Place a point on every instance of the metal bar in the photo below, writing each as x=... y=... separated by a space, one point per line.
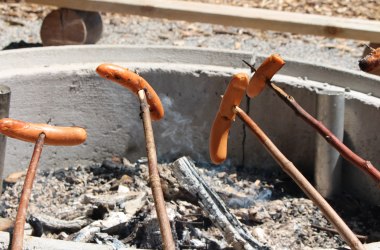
x=327 y=169
x=5 y=97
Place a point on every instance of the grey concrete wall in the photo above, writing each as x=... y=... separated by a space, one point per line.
x=60 y=84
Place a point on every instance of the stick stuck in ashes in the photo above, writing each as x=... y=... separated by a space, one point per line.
x=151 y=109
x=40 y=134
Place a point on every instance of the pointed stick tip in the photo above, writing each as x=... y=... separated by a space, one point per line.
x=252 y=67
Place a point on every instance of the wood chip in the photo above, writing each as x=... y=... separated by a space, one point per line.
x=14 y=177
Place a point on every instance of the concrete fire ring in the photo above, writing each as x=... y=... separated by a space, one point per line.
x=60 y=84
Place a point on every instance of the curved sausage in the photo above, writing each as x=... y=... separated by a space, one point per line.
x=58 y=136
x=223 y=120
x=371 y=61
x=234 y=94
x=133 y=82
x=219 y=138
x=264 y=73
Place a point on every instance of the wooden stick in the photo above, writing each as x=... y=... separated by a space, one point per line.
x=233 y=231
x=352 y=28
x=154 y=178
x=18 y=231
x=362 y=238
x=345 y=152
x=302 y=182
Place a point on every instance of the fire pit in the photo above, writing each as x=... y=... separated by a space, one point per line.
x=60 y=85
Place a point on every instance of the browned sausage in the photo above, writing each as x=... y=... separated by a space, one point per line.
x=263 y=74
x=133 y=82
x=223 y=120
x=219 y=138
x=370 y=62
x=59 y=136
x=233 y=95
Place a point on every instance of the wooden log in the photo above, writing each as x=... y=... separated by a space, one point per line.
x=110 y=199
x=51 y=223
x=71 y=27
x=234 y=232
x=233 y=16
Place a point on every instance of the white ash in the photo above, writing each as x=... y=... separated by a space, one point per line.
x=277 y=214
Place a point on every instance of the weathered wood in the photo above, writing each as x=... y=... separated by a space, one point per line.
x=111 y=224
x=53 y=224
x=234 y=16
x=111 y=199
x=67 y=26
x=6 y=224
x=234 y=232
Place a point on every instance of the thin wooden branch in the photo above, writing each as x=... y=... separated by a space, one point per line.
x=345 y=152
x=154 y=178
x=362 y=238
x=18 y=231
x=302 y=182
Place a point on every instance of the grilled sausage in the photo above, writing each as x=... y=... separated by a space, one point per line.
x=370 y=62
x=219 y=138
x=233 y=95
x=263 y=74
x=55 y=135
x=133 y=82
x=223 y=120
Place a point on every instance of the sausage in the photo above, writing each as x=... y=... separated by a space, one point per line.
x=233 y=95
x=223 y=120
x=133 y=82
x=219 y=138
x=263 y=74
x=371 y=61
x=58 y=136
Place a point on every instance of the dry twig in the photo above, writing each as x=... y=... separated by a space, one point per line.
x=154 y=177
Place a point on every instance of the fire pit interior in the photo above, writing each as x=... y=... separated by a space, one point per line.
x=105 y=180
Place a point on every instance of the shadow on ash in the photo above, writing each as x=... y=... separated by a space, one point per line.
x=99 y=192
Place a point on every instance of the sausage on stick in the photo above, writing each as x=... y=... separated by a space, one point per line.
x=55 y=135
x=151 y=108
x=224 y=117
x=371 y=61
x=266 y=71
x=133 y=82
x=40 y=134
x=264 y=74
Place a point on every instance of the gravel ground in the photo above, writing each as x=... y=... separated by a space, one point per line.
x=21 y=22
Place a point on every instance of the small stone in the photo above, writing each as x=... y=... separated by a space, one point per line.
x=259 y=233
x=6 y=224
x=221 y=174
x=123 y=189
x=62 y=236
x=14 y=177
